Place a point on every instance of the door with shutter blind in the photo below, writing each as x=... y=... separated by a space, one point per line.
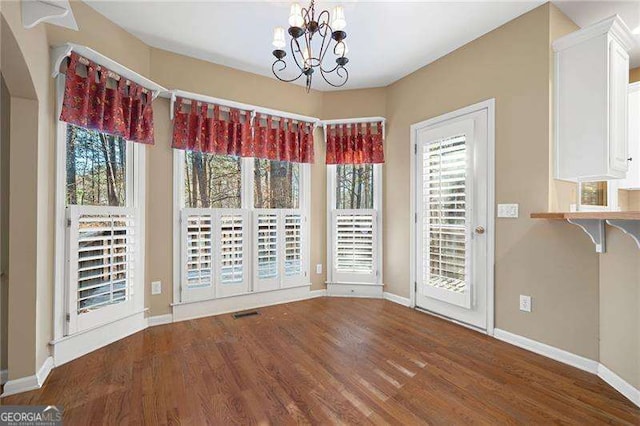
x=451 y=218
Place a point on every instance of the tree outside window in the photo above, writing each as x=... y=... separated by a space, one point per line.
x=354 y=186
x=276 y=184
x=96 y=168
x=212 y=181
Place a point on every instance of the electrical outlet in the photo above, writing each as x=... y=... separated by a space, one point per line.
x=525 y=303
x=156 y=287
x=508 y=210
x=319 y=268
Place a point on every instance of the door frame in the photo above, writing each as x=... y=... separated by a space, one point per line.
x=489 y=106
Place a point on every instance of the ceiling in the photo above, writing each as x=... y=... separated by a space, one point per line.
x=387 y=40
x=585 y=13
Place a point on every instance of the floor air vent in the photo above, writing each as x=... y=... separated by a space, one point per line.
x=244 y=314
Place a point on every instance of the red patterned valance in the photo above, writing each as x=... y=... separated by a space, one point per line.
x=199 y=126
x=356 y=143
x=204 y=127
x=99 y=99
x=281 y=139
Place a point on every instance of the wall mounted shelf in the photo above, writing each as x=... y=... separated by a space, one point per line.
x=592 y=223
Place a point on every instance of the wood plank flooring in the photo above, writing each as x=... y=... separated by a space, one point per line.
x=324 y=361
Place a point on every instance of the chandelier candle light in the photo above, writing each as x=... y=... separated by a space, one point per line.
x=304 y=25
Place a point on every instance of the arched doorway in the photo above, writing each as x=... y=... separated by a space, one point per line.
x=18 y=141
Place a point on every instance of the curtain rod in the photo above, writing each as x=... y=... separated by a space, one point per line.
x=354 y=121
x=58 y=54
x=172 y=94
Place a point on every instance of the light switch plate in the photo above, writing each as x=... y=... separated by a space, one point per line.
x=156 y=287
x=319 y=268
x=508 y=210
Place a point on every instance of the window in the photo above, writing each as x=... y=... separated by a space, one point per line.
x=354 y=186
x=212 y=181
x=601 y=195
x=444 y=205
x=276 y=184
x=354 y=208
x=244 y=230
x=96 y=168
x=103 y=227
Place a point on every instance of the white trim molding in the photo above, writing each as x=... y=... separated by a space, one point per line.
x=543 y=349
x=225 y=305
x=74 y=346
x=159 y=320
x=565 y=357
x=404 y=301
x=25 y=384
x=317 y=293
x=59 y=53
x=619 y=384
x=366 y=290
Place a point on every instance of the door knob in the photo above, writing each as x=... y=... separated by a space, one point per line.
x=479 y=230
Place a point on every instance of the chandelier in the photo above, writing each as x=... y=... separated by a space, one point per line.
x=309 y=56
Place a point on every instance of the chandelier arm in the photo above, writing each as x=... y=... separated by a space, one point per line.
x=284 y=66
x=337 y=69
x=325 y=23
x=293 y=52
x=323 y=48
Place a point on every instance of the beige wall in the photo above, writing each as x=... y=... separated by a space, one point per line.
x=620 y=306
x=354 y=103
x=552 y=262
x=634 y=75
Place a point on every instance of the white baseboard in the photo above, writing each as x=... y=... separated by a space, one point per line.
x=4 y=375
x=354 y=290
x=317 y=293
x=159 y=320
x=552 y=352
x=207 y=308
x=29 y=383
x=71 y=347
x=619 y=384
x=404 y=301
x=585 y=364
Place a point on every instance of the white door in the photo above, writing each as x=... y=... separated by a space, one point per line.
x=452 y=239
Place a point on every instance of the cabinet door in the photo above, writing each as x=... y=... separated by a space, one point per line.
x=633 y=175
x=618 y=104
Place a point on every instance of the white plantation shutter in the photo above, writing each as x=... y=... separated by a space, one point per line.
x=233 y=253
x=354 y=246
x=295 y=269
x=197 y=254
x=102 y=243
x=445 y=218
x=266 y=236
x=293 y=244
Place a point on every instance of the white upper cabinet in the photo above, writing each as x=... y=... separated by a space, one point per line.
x=633 y=175
x=591 y=83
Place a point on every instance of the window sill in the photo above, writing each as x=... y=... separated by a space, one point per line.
x=70 y=347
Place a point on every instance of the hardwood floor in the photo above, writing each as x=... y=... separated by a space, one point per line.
x=321 y=361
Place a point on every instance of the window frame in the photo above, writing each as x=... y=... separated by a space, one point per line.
x=612 y=199
x=247 y=204
x=377 y=207
x=135 y=199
